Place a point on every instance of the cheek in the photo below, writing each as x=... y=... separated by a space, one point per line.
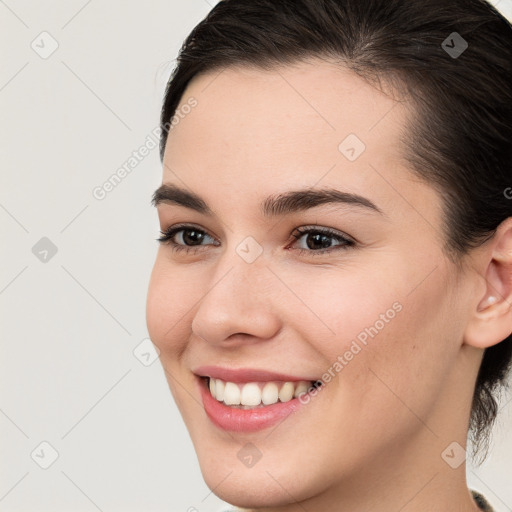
x=389 y=343
x=169 y=298
x=397 y=306
x=343 y=306
x=169 y=301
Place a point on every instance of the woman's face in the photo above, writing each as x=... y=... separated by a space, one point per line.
x=376 y=317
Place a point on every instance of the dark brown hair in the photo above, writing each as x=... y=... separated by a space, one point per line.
x=461 y=139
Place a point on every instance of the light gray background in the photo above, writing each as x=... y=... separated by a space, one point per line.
x=70 y=324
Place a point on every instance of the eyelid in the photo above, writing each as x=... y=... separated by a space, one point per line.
x=324 y=230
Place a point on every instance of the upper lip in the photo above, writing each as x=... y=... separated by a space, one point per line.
x=247 y=375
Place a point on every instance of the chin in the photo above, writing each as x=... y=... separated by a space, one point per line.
x=272 y=482
x=251 y=490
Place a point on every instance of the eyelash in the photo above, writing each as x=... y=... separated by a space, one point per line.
x=345 y=242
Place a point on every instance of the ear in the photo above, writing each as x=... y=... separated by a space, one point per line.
x=491 y=317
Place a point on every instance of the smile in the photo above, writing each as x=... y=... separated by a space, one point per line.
x=250 y=400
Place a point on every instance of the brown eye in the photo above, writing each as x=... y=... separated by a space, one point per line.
x=183 y=237
x=319 y=240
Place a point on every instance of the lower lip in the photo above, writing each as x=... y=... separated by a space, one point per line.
x=244 y=420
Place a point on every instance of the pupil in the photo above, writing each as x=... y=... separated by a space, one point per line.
x=194 y=237
x=323 y=239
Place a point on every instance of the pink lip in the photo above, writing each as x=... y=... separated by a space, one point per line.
x=244 y=420
x=247 y=375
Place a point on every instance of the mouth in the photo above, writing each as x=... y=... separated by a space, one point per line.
x=251 y=400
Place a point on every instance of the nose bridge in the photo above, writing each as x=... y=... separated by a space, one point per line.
x=240 y=269
x=237 y=299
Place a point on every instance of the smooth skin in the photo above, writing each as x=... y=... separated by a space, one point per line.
x=373 y=438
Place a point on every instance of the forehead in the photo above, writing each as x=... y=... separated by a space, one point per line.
x=255 y=117
x=254 y=132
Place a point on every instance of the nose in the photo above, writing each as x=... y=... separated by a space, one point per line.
x=239 y=305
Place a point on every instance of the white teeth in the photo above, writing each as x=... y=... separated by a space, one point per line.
x=254 y=394
x=251 y=394
x=231 y=394
x=219 y=389
x=270 y=394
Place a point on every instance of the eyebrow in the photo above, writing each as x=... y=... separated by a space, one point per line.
x=272 y=206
